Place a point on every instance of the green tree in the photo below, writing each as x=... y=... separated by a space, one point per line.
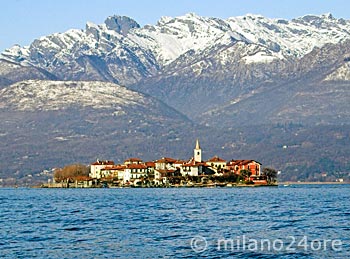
x=270 y=173
x=245 y=174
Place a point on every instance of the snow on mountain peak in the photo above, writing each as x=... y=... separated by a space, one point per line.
x=328 y=16
x=122 y=43
x=313 y=17
x=173 y=37
x=164 y=20
x=34 y=95
x=15 y=53
x=293 y=38
x=121 y=24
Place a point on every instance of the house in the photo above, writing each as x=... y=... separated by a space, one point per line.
x=236 y=166
x=83 y=182
x=162 y=176
x=217 y=164
x=254 y=167
x=150 y=165
x=179 y=163
x=133 y=172
x=192 y=168
x=150 y=169
x=96 y=167
x=133 y=160
x=165 y=163
x=115 y=172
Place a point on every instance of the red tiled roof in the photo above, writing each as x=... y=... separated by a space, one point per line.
x=241 y=162
x=166 y=160
x=150 y=164
x=193 y=163
x=180 y=162
x=117 y=167
x=216 y=159
x=83 y=178
x=136 y=166
x=105 y=162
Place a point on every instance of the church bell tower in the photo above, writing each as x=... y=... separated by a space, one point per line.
x=197 y=152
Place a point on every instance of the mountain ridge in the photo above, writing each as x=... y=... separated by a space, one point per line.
x=150 y=44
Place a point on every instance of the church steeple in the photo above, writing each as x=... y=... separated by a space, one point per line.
x=197 y=144
x=197 y=152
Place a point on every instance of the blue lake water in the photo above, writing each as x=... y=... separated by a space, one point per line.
x=305 y=221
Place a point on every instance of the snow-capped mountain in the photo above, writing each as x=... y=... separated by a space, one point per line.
x=119 y=50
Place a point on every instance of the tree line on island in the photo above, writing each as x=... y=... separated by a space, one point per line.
x=71 y=173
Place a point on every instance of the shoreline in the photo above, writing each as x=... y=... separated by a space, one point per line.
x=312 y=183
x=229 y=185
x=279 y=184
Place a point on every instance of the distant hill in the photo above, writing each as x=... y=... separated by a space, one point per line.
x=48 y=124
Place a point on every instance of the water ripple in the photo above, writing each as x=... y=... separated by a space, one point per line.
x=160 y=223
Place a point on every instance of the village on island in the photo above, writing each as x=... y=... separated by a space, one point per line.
x=169 y=172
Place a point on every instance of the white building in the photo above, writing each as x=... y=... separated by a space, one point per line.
x=165 y=163
x=133 y=172
x=194 y=167
x=191 y=168
x=133 y=160
x=95 y=168
x=217 y=164
x=197 y=153
x=116 y=172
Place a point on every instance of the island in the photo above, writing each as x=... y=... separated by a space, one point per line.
x=165 y=172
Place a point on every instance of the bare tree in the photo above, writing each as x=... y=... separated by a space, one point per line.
x=71 y=172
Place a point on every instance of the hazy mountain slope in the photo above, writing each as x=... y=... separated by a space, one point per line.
x=51 y=123
x=196 y=83
x=11 y=72
x=314 y=90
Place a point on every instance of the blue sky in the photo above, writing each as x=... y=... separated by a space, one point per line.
x=21 y=21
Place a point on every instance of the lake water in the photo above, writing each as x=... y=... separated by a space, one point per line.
x=304 y=221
